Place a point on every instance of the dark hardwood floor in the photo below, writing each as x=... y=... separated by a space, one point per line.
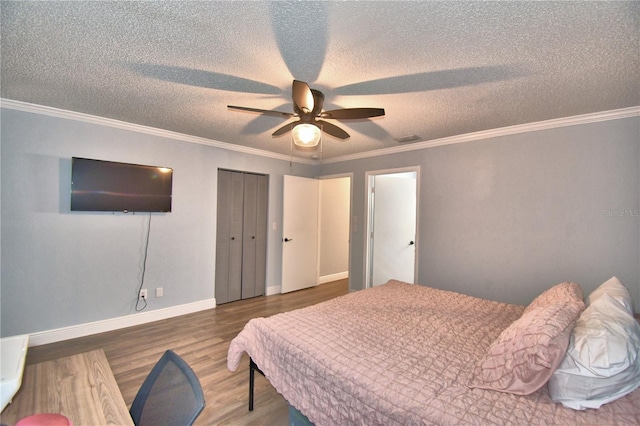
x=202 y=339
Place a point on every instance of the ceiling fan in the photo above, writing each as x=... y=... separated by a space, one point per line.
x=307 y=106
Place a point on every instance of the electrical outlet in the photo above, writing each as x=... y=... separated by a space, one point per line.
x=143 y=294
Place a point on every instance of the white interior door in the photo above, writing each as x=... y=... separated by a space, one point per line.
x=299 y=233
x=392 y=223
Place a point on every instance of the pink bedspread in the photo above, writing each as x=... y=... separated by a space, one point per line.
x=400 y=354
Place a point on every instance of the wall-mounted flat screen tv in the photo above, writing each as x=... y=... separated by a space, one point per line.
x=98 y=185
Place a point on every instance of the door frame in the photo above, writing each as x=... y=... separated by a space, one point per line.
x=339 y=176
x=369 y=178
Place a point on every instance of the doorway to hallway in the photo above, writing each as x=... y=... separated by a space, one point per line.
x=391 y=225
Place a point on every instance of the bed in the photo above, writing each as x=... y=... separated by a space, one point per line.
x=404 y=354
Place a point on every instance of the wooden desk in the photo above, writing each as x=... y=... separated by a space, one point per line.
x=81 y=387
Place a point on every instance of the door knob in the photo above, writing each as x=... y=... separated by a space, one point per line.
x=286 y=240
x=411 y=243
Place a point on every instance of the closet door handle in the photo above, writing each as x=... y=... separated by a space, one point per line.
x=233 y=238
x=411 y=243
x=286 y=240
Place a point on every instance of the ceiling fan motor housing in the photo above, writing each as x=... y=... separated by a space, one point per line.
x=307 y=106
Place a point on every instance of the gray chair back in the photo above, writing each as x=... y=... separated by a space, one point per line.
x=170 y=395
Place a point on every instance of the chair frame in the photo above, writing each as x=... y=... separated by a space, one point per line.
x=141 y=397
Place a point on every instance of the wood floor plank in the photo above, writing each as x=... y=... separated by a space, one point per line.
x=202 y=339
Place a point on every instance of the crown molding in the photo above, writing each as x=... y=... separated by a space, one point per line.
x=493 y=133
x=468 y=137
x=108 y=122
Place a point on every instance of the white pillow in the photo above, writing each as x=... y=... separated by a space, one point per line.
x=602 y=362
x=614 y=288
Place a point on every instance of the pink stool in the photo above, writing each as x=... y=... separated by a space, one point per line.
x=45 y=419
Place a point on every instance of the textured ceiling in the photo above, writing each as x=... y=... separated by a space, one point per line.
x=439 y=69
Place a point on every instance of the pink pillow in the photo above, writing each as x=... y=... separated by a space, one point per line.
x=525 y=355
x=556 y=293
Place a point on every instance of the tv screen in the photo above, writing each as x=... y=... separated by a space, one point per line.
x=98 y=185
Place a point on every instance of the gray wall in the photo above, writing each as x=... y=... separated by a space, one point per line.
x=62 y=268
x=335 y=197
x=505 y=218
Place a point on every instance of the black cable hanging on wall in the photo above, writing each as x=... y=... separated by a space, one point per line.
x=144 y=268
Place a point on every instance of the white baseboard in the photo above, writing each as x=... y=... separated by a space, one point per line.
x=81 y=330
x=277 y=289
x=333 y=277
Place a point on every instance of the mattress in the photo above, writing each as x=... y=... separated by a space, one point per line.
x=400 y=354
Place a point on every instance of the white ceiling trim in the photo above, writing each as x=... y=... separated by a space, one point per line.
x=469 y=137
x=108 y=122
x=504 y=131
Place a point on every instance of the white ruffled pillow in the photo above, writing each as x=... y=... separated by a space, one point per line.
x=602 y=362
x=614 y=288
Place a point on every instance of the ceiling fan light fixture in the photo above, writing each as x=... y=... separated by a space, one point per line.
x=306 y=135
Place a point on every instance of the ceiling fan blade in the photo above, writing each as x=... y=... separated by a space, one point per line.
x=284 y=129
x=352 y=113
x=332 y=129
x=263 y=111
x=302 y=96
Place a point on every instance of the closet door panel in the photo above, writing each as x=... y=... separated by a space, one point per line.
x=262 y=203
x=241 y=241
x=249 y=241
x=223 y=238
x=236 y=236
